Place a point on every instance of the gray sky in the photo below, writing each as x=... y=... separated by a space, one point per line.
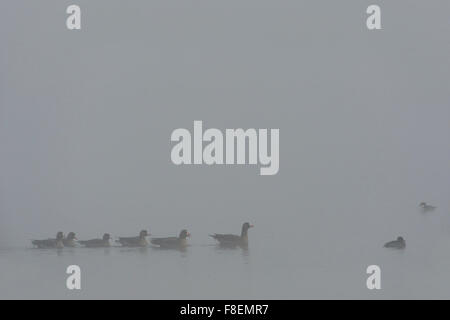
x=86 y=118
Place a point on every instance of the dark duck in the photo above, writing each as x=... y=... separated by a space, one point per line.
x=179 y=242
x=232 y=240
x=396 y=244
x=426 y=207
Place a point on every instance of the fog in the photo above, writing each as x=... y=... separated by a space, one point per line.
x=364 y=119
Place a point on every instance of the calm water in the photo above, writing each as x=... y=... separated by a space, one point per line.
x=206 y=272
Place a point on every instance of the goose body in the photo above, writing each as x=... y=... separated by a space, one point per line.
x=396 y=244
x=139 y=241
x=97 y=243
x=232 y=240
x=56 y=243
x=179 y=242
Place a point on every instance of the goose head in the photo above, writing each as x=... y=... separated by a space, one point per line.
x=71 y=236
x=245 y=227
x=143 y=234
x=184 y=234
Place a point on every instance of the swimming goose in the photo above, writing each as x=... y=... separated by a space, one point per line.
x=97 y=243
x=231 y=240
x=70 y=240
x=396 y=244
x=426 y=207
x=179 y=242
x=139 y=241
x=50 y=243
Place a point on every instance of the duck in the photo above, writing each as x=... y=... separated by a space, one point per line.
x=179 y=242
x=71 y=240
x=97 y=243
x=426 y=207
x=139 y=241
x=231 y=240
x=396 y=244
x=50 y=243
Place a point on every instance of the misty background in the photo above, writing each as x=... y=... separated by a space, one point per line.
x=364 y=118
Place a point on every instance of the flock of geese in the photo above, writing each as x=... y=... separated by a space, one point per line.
x=140 y=241
x=400 y=243
x=180 y=242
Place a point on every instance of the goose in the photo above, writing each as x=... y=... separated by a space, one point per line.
x=139 y=241
x=50 y=243
x=97 y=243
x=70 y=240
x=231 y=240
x=179 y=242
x=426 y=207
x=396 y=244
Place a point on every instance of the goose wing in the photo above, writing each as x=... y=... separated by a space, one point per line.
x=170 y=241
x=130 y=242
x=92 y=242
x=47 y=243
x=128 y=239
x=226 y=238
